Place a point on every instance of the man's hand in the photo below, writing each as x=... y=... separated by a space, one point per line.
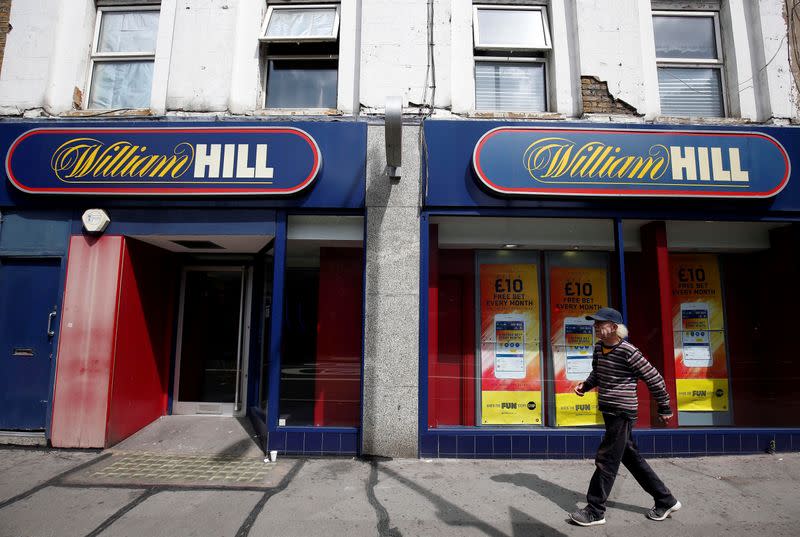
x=664 y=418
x=579 y=389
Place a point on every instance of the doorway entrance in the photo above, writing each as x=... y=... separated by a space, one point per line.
x=213 y=341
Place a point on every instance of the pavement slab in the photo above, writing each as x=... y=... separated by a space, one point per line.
x=23 y=469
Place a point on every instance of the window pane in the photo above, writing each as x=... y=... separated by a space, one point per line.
x=510 y=86
x=128 y=31
x=685 y=37
x=302 y=23
x=302 y=84
x=121 y=85
x=511 y=28
x=690 y=92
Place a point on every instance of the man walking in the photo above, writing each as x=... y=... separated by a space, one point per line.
x=616 y=367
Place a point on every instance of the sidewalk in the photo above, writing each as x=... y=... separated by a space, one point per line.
x=66 y=493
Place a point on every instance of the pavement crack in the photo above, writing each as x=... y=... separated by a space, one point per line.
x=53 y=480
x=247 y=525
x=383 y=515
x=121 y=512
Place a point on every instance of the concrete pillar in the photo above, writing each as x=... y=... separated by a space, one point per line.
x=244 y=81
x=391 y=335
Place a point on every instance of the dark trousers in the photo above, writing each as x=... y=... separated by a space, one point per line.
x=618 y=446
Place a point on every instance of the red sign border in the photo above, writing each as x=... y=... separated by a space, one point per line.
x=139 y=191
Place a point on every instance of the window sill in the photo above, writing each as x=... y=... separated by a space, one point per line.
x=297 y=112
x=114 y=112
x=549 y=116
x=673 y=120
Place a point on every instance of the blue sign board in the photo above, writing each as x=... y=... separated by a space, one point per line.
x=164 y=160
x=574 y=161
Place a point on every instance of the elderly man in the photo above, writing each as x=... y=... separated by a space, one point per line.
x=616 y=367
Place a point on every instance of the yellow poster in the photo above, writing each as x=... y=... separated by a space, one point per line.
x=510 y=357
x=698 y=327
x=575 y=292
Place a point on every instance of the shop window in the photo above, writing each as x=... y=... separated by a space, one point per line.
x=320 y=382
x=510 y=340
x=511 y=44
x=732 y=342
x=301 y=61
x=123 y=54
x=690 y=63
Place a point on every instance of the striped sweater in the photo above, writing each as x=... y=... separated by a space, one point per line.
x=615 y=374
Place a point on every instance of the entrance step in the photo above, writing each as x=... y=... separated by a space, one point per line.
x=209 y=436
x=22 y=438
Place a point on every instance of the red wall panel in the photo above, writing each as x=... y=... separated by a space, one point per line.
x=86 y=343
x=144 y=339
x=337 y=387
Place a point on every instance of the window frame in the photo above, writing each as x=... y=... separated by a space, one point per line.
x=262 y=36
x=697 y=63
x=100 y=57
x=509 y=59
x=477 y=45
x=299 y=57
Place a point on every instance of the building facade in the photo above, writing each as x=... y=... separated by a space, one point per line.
x=212 y=207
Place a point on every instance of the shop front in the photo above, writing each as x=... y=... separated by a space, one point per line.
x=154 y=268
x=692 y=233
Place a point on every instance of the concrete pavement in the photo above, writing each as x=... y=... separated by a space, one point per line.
x=53 y=493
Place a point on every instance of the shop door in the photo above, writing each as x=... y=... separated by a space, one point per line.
x=211 y=355
x=28 y=295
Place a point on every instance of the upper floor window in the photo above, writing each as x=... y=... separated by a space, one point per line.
x=690 y=63
x=301 y=60
x=123 y=53
x=510 y=58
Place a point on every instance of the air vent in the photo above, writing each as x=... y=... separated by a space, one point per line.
x=199 y=245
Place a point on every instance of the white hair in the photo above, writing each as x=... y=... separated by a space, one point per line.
x=622 y=331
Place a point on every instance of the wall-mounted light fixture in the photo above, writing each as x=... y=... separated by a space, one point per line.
x=394 y=136
x=95 y=220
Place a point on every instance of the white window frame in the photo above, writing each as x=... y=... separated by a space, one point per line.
x=299 y=58
x=697 y=63
x=507 y=59
x=476 y=31
x=99 y=57
x=297 y=39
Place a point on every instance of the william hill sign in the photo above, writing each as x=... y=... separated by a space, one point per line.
x=625 y=162
x=164 y=160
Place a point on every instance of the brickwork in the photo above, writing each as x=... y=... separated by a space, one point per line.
x=598 y=100
x=5 y=15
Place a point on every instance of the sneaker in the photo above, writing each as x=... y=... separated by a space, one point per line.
x=586 y=517
x=660 y=513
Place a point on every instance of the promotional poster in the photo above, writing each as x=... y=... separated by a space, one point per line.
x=698 y=325
x=574 y=293
x=511 y=389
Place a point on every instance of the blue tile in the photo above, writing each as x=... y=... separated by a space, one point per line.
x=749 y=443
x=732 y=443
x=663 y=444
x=483 y=445
x=796 y=442
x=277 y=441
x=428 y=446
x=575 y=445
x=556 y=445
x=590 y=445
x=764 y=440
x=697 y=443
x=502 y=445
x=349 y=443
x=294 y=442
x=680 y=443
x=520 y=445
x=466 y=445
x=539 y=444
x=646 y=443
x=447 y=446
x=313 y=443
x=783 y=442
x=714 y=443
x=330 y=442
